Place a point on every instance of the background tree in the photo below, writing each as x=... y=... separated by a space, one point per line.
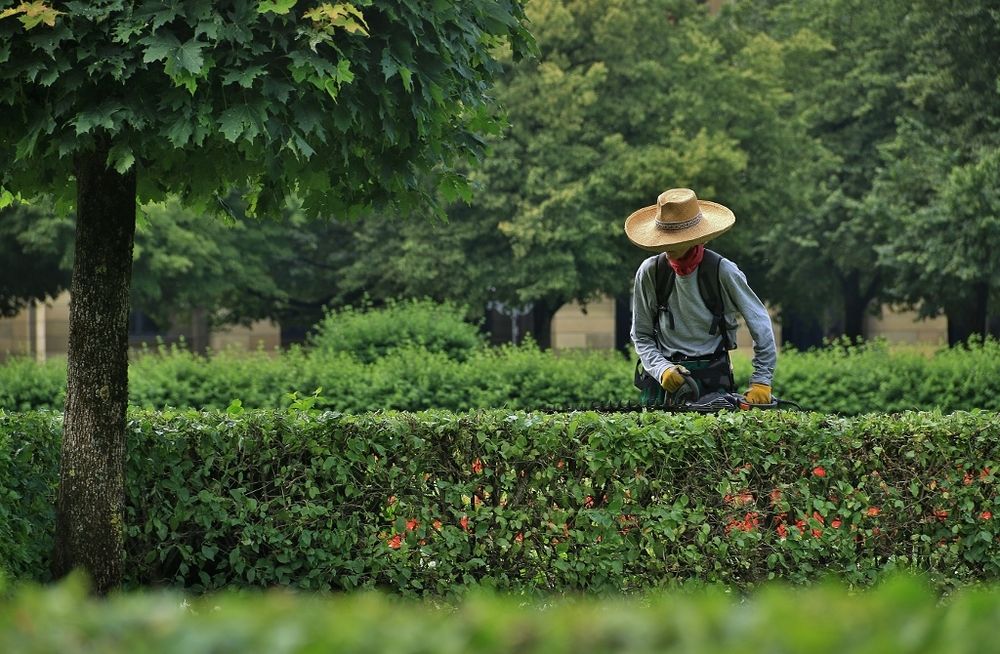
x=32 y=250
x=627 y=99
x=351 y=105
x=848 y=93
x=940 y=176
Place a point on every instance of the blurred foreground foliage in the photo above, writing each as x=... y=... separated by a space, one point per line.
x=902 y=615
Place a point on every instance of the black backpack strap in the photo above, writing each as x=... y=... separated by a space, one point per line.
x=710 y=287
x=664 y=282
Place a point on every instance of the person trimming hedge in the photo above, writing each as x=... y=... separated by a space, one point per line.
x=686 y=301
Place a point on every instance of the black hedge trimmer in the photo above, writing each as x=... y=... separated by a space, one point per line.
x=684 y=400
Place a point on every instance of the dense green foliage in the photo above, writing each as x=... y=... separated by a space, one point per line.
x=844 y=380
x=437 y=502
x=256 y=92
x=869 y=126
x=900 y=616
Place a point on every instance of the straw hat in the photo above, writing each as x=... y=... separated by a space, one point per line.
x=678 y=218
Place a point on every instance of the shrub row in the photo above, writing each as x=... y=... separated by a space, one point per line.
x=434 y=502
x=410 y=378
x=900 y=616
x=841 y=380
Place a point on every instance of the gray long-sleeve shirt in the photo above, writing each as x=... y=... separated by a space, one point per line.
x=692 y=320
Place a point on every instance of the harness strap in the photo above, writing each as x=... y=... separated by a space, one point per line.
x=709 y=287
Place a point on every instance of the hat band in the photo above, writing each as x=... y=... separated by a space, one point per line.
x=673 y=225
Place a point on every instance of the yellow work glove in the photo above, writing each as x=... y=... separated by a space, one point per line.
x=673 y=378
x=758 y=394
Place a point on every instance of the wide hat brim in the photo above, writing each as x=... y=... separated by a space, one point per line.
x=641 y=228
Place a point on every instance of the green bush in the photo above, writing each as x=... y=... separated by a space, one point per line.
x=902 y=615
x=26 y=384
x=435 y=502
x=369 y=334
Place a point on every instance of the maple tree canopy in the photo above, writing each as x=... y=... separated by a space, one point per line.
x=346 y=104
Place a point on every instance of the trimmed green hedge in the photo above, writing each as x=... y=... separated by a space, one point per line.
x=435 y=502
x=900 y=616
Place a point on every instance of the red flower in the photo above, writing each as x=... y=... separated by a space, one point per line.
x=749 y=522
x=801 y=524
x=775 y=496
x=391 y=500
x=560 y=463
x=396 y=541
x=817 y=533
x=967 y=480
x=588 y=502
x=874 y=511
x=835 y=523
x=411 y=525
x=984 y=473
x=782 y=531
x=519 y=538
x=941 y=514
x=818 y=518
x=819 y=471
x=985 y=515
x=437 y=525
x=464 y=522
x=477 y=466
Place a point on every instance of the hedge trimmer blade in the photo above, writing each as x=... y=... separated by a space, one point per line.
x=710 y=403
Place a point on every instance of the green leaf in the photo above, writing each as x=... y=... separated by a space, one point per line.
x=159 y=46
x=188 y=57
x=275 y=6
x=244 y=76
x=235 y=408
x=101 y=116
x=120 y=156
x=238 y=121
x=406 y=76
x=179 y=133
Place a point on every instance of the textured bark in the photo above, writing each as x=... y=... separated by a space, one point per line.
x=89 y=513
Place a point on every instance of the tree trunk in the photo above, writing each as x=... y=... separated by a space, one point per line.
x=89 y=512
x=623 y=325
x=968 y=318
x=855 y=306
x=802 y=331
x=541 y=324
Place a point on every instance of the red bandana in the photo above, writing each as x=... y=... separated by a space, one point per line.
x=687 y=263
